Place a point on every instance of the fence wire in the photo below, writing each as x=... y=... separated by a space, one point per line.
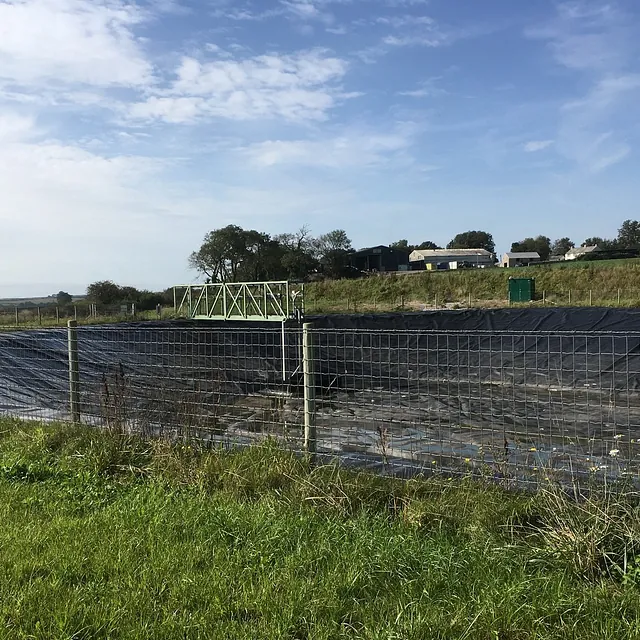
x=521 y=407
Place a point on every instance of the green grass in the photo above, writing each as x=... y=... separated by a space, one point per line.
x=111 y=537
x=611 y=283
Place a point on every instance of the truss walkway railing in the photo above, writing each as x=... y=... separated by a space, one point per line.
x=252 y=301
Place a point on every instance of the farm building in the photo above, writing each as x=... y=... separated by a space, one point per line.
x=380 y=258
x=578 y=252
x=453 y=258
x=521 y=259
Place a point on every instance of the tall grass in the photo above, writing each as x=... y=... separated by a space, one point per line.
x=105 y=536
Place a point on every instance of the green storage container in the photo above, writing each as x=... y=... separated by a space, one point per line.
x=522 y=289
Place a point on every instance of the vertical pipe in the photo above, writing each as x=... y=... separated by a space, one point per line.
x=590 y=298
x=544 y=296
x=39 y=316
x=469 y=299
x=309 y=391
x=17 y=317
x=284 y=352
x=618 y=297
x=175 y=301
x=57 y=315
x=74 y=372
x=569 y=296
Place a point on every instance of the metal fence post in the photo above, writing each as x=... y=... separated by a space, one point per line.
x=75 y=312
x=74 y=372
x=309 y=391
x=57 y=315
x=39 y=316
x=17 y=317
x=284 y=351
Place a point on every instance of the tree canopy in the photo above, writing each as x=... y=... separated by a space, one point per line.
x=561 y=246
x=63 y=298
x=473 y=240
x=540 y=245
x=233 y=254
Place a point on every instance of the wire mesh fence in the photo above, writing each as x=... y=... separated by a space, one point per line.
x=516 y=407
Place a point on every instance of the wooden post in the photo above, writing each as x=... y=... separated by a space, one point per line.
x=618 y=297
x=544 y=296
x=309 y=391
x=569 y=296
x=590 y=298
x=74 y=372
x=469 y=305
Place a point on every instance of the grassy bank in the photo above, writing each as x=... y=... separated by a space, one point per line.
x=107 y=537
x=607 y=283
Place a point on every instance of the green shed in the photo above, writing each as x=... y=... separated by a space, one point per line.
x=522 y=289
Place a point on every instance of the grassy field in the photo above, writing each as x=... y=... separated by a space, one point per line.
x=605 y=283
x=110 y=537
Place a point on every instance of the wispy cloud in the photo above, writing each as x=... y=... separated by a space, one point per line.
x=301 y=86
x=596 y=40
x=427 y=89
x=537 y=145
x=352 y=149
x=587 y=36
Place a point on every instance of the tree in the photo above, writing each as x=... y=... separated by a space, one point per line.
x=429 y=246
x=104 y=292
x=333 y=251
x=233 y=254
x=473 y=240
x=64 y=299
x=561 y=246
x=403 y=245
x=298 y=254
x=540 y=245
x=629 y=235
x=601 y=243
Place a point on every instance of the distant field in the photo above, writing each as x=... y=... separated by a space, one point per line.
x=603 y=283
x=12 y=302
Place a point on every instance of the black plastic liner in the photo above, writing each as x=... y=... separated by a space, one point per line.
x=511 y=388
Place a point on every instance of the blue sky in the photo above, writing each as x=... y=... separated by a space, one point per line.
x=129 y=130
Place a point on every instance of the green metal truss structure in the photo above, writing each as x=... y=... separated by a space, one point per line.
x=252 y=301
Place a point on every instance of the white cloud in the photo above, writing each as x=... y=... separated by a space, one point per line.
x=71 y=41
x=537 y=145
x=73 y=216
x=353 y=149
x=300 y=86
